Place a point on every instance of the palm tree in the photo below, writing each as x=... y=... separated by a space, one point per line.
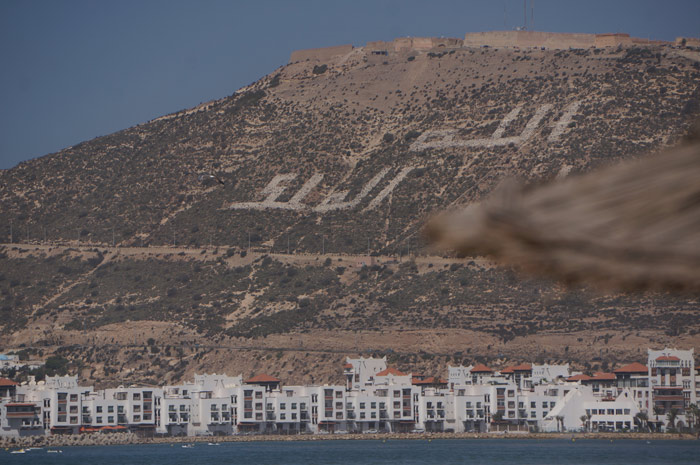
x=643 y=419
x=671 y=417
x=560 y=421
x=693 y=413
x=657 y=411
x=584 y=419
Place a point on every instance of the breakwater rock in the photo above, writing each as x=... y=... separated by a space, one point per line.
x=101 y=439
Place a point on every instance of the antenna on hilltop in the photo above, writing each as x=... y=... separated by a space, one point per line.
x=524 y=15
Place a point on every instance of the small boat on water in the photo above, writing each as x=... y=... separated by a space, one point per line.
x=213 y=444
x=54 y=451
x=19 y=451
x=187 y=446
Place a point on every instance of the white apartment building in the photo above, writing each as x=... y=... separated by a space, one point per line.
x=61 y=401
x=672 y=382
x=474 y=398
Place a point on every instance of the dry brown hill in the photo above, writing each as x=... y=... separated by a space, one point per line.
x=344 y=158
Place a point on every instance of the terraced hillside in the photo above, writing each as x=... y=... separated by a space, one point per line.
x=298 y=199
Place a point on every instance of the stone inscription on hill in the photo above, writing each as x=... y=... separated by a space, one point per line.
x=334 y=201
x=444 y=138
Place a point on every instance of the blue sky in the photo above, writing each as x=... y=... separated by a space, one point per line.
x=73 y=70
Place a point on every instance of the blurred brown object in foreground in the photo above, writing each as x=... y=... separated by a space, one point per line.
x=633 y=226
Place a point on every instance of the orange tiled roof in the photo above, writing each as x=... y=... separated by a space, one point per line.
x=262 y=378
x=635 y=367
x=667 y=358
x=390 y=371
x=7 y=382
x=514 y=368
x=481 y=368
x=580 y=377
x=600 y=376
x=347 y=365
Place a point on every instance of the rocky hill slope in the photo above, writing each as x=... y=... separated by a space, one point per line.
x=297 y=203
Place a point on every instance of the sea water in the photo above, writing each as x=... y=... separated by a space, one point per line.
x=366 y=452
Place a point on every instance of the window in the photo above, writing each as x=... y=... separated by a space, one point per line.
x=73 y=420
x=73 y=409
x=374 y=405
x=258 y=394
x=258 y=406
x=98 y=409
x=338 y=394
x=98 y=419
x=137 y=418
x=362 y=405
x=469 y=405
x=137 y=396
x=74 y=397
x=374 y=414
x=120 y=409
x=137 y=408
x=362 y=415
x=294 y=405
x=283 y=416
x=110 y=409
x=302 y=406
x=110 y=419
x=397 y=393
x=294 y=416
x=283 y=406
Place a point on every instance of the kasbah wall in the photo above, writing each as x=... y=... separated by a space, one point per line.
x=520 y=39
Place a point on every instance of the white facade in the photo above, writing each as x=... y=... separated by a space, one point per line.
x=375 y=399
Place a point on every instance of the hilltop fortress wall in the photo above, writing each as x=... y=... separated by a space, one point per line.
x=505 y=39
x=552 y=40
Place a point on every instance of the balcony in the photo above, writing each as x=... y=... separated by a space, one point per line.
x=21 y=415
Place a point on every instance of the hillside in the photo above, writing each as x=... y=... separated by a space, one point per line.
x=329 y=167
